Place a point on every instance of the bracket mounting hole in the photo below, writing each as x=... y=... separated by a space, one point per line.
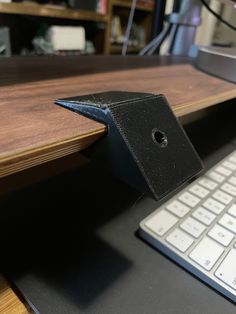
x=159 y=138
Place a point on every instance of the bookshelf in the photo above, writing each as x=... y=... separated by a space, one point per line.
x=101 y=39
x=54 y=11
x=17 y=15
x=142 y=17
x=127 y=4
x=116 y=49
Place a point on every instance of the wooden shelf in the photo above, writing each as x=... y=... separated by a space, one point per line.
x=142 y=17
x=51 y=11
x=127 y=4
x=33 y=130
x=118 y=49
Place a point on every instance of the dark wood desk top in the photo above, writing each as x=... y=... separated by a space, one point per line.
x=33 y=130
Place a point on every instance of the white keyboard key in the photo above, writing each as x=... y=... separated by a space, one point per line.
x=161 y=222
x=229 y=188
x=213 y=205
x=223 y=171
x=232 y=180
x=233 y=159
x=206 y=253
x=178 y=208
x=180 y=240
x=193 y=227
x=189 y=199
x=207 y=183
x=215 y=176
x=199 y=190
x=229 y=165
x=204 y=216
x=221 y=235
x=228 y=222
x=232 y=210
x=222 y=197
x=227 y=270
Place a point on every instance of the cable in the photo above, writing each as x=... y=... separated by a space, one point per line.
x=172 y=38
x=217 y=15
x=156 y=41
x=128 y=28
x=157 y=45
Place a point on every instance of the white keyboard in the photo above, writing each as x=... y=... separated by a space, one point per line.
x=197 y=227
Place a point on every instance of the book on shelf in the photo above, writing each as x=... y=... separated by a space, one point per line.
x=102 y=6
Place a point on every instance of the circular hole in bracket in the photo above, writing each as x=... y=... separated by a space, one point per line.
x=159 y=138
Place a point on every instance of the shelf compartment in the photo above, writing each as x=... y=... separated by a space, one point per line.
x=51 y=11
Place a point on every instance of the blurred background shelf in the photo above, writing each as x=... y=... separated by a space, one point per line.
x=115 y=49
x=127 y=4
x=118 y=12
x=36 y=9
x=27 y=20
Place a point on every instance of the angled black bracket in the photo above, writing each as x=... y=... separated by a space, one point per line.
x=145 y=145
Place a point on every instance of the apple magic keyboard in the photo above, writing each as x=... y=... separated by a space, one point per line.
x=197 y=227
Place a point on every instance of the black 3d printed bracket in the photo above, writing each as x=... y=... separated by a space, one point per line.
x=145 y=145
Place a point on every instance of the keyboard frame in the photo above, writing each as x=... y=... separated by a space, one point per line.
x=183 y=259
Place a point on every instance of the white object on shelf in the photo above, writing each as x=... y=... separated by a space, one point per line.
x=66 y=37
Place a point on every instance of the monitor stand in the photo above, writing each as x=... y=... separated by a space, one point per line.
x=217 y=61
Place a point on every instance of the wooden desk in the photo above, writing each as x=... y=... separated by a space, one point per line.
x=34 y=131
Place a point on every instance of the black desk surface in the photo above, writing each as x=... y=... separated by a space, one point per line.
x=71 y=243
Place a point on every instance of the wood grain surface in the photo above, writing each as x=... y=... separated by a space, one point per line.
x=33 y=130
x=9 y=302
x=36 y=9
